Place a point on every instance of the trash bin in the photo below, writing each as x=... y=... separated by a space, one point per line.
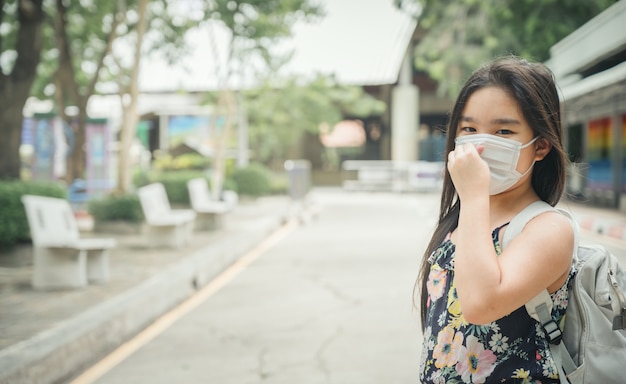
x=299 y=178
x=77 y=194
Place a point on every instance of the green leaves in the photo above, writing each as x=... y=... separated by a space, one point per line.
x=460 y=35
x=281 y=112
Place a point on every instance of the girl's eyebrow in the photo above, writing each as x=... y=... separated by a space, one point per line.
x=497 y=121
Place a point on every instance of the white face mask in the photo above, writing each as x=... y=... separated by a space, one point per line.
x=501 y=155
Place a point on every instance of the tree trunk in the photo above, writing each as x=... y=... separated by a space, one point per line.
x=124 y=177
x=225 y=105
x=76 y=164
x=129 y=110
x=11 y=131
x=68 y=89
x=15 y=87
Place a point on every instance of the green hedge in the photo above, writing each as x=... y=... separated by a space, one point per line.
x=14 y=225
x=279 y=184
x=184 y=162
x=175 y=183
x=253 y=180
x=116 y=208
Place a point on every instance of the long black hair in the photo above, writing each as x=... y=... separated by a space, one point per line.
x=534 y=88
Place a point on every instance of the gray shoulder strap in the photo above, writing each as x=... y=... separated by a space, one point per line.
x=521 y=219
x=533 y=210
x=540 y=307
x=515 y=227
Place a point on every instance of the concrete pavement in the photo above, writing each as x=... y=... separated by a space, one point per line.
x=330 y=303
x=47 y=336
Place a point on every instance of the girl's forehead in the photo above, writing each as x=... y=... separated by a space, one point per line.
x=491 y=103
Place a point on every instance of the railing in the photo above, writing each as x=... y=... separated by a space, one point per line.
x=385 y=175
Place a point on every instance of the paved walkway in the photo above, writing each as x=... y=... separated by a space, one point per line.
x=336 y=292
x=330 y=303
x=45 y=336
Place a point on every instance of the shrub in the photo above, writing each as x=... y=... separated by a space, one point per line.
x=229 y=184
x=116 y=208
x=253 y=180
x=279 y=183
x=14 y=225
x=186 y=161
x=175 y=184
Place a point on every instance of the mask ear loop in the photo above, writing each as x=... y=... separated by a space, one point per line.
x=534 y=161
x=528 y=170
x=530 y=142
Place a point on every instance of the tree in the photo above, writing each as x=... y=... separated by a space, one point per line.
x=20 y=53
x=148 y=26
x=81 y=59
x=87 y=40
x=282 y=111
x=129 y=104
x=254 y=27
x=459 y=35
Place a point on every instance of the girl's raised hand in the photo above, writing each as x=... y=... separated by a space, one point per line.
x=470 y=174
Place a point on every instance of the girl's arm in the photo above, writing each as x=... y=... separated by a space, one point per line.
x=490 y=286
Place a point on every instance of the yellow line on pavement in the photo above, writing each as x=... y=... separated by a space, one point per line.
x=164 y=322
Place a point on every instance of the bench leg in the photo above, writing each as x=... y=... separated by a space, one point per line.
x=209 y=221
x=187 y=232
x=59 y=268
x=168 y=236
x=98 y=271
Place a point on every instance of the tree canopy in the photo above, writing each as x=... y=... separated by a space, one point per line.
x=281 y=112
x=459 y=35
x=76 y=40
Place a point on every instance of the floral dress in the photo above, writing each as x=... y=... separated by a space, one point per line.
x=513 y=349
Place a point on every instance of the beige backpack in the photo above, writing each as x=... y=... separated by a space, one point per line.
x=591 y=347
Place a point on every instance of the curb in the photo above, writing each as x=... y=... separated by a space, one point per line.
x=56 y=354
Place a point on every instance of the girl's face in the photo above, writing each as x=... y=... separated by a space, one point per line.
x=493 y=111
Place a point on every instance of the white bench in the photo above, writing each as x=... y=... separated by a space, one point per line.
x=210 y=211
x=165 y=226
x=61 y=259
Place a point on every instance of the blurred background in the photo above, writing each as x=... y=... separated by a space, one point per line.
x=281 y=111
x=100 y=98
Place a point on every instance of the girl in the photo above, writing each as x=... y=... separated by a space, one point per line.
x=504 y=152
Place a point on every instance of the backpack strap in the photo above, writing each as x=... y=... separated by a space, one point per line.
x=520 y=220
x=540 y=307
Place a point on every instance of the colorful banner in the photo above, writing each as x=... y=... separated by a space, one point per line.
x=188 y=128
x=196 y=131
x=97 y=154
x=624 y=153
x=47 y=141
x=599 y=175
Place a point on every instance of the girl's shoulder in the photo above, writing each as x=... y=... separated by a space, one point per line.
x=555 y=222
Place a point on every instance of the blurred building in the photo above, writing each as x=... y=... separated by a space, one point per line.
x=590 y=68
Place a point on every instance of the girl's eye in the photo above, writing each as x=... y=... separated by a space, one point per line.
x=504 y=132
x=467 y=129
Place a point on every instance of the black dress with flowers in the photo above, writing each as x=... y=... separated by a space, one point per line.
x=512 y=349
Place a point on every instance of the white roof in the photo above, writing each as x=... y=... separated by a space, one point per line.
x=360 y=42
x=592 y=83
x=597 y=39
